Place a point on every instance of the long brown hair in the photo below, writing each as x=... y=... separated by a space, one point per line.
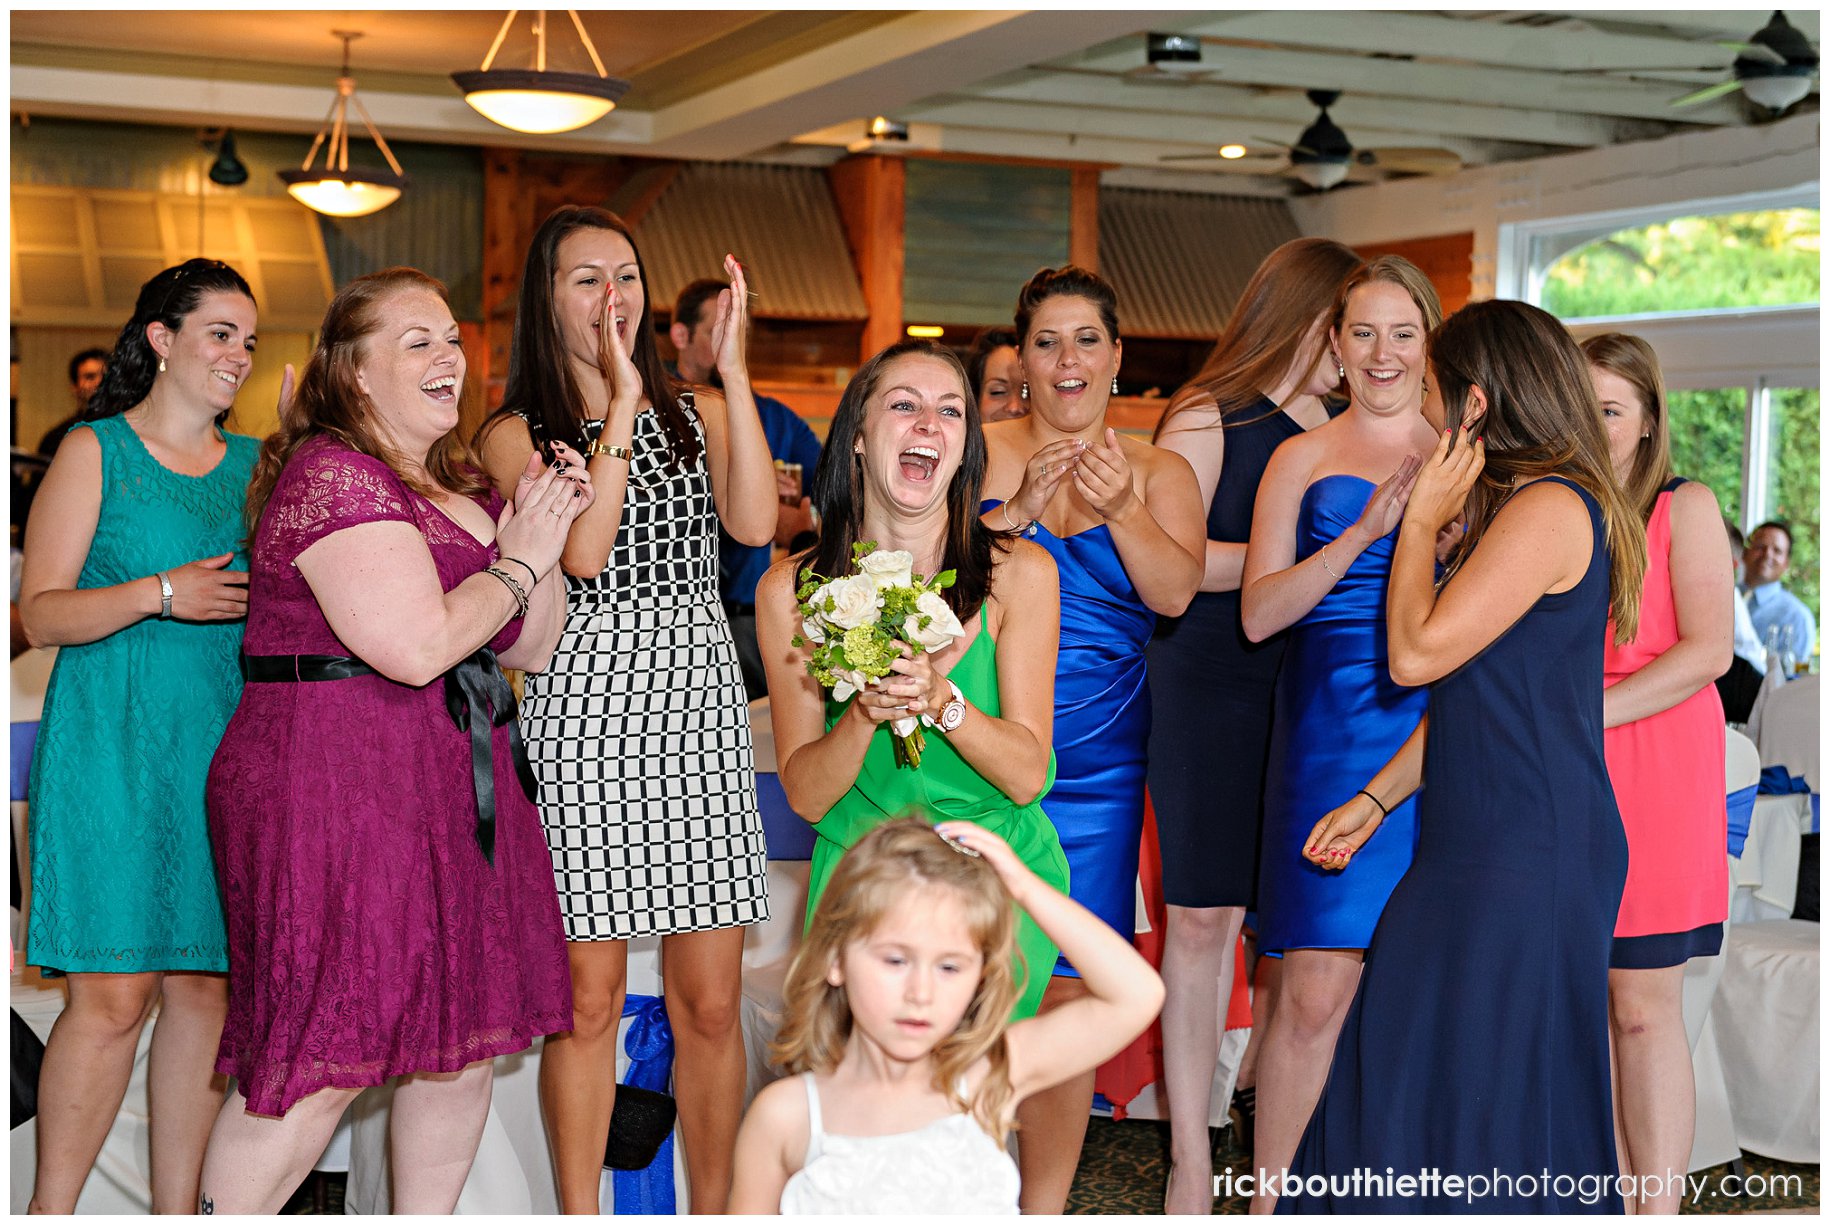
x=1391 y=270
x=884 y=867
x=168 y=298
x=1542 y=419
x=329 y=400
x=839 y=494
x=1295 y=285
x=1632 y=359
x=540 y=385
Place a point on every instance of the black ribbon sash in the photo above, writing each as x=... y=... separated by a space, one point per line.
x=477 y=696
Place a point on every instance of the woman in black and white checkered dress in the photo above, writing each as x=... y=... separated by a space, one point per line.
x=638 y=731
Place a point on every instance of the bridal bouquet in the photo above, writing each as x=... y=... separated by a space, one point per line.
x=855 y=625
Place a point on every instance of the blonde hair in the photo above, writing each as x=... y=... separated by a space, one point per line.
x=1632 y=359
x=884 y=866
x=1542 y=419
x=1391 y=270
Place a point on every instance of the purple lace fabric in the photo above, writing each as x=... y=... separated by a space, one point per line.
x=368 y=936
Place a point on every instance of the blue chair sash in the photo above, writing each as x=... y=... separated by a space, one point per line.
x=1740 y=816
x=1777 y=780
x=649 y=1044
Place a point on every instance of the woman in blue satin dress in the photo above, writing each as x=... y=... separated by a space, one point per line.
x=1319 y=557
x=1123 y=521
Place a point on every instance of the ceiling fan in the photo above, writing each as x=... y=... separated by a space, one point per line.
x=1774 y=68
x=1323 y=156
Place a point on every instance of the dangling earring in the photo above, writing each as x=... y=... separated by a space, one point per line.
x=1340 y=369
x=161 y=365
x=1115 y=384
x=1023 y=392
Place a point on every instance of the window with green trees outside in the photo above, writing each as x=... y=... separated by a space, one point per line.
x=1716 y=262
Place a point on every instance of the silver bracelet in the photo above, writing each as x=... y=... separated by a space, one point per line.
x=1324 y=554
x=1010 y=523
x=514 y=588
x=165 y=595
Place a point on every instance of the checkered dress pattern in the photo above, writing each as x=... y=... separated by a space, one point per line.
x=638 y=731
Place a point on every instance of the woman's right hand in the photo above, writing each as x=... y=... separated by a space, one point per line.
x=614 y=360
x=1335 y=838
x=203 y=591
x=533 y=528
x=1042 y=476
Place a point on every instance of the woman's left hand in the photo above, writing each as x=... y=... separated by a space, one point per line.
x=1103 y=478
x=913 y=678
x=731 y=326
x=1441 y=488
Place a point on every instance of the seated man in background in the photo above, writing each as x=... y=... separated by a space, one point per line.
x=791 y=442
x=1772 y=607
x=86 y=370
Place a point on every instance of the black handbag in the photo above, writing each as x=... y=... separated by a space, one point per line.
x=639 y=1122
x=28 y=1057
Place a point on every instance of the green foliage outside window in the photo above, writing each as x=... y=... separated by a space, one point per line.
x=1706 y=441
x=1794 y=467
x=1691 y=263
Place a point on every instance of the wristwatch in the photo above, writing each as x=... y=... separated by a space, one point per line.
x=598 y=446
x=953 y=713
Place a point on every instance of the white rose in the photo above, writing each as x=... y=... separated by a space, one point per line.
x=854 y=602
x=850 y=681
x=943 y=626
x=890 y=568
x=811 y=631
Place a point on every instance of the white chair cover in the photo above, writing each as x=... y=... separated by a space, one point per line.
x=1785 y=726
x=1767 y=1029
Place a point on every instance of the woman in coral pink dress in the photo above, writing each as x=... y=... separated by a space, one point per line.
x=1664 y=743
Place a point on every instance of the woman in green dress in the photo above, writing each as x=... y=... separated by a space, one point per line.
x=903 y=465
x=135 y=570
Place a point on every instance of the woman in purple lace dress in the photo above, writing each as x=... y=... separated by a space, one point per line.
x=389 y=898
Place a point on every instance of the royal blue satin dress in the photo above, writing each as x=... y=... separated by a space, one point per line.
x=1478 y=1039
x=1102 y=723
x=1340 y=718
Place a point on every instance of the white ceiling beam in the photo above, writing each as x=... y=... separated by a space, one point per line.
x=1489 y=41
x=1452 y=83
x=1197 y=134
x=877 y=71
x=81 y=93
x=1235 y=104
x=1700 y=23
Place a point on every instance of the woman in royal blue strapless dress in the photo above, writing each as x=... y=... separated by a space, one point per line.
x=1123 y=521
x=1318 y=559
x=1478 y=1041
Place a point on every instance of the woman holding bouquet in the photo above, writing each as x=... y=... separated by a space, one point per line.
x=903 y=466
x=638 y=731
x=1122 y=519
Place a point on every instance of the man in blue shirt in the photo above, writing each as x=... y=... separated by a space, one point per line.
x=1769 y=553
x=791 y=442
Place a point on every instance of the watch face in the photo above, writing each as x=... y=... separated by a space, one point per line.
x=952 y=715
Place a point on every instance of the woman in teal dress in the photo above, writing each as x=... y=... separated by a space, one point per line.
x=902 y=467
x=134 y=569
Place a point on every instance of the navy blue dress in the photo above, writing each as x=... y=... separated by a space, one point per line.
x=1340 y=717
x=1102 y=721
x=1210 y=697
x=1478 y=1040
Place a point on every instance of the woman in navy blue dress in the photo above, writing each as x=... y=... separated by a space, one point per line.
x=1122 y=519
x=1211 y=686
x=1478 y=1041
x=1320 y=552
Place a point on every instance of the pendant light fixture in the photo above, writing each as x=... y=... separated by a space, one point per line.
x=339 y=189
x=538 y=100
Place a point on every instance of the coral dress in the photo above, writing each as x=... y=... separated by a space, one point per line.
x=1668 y=777
x=369 y=937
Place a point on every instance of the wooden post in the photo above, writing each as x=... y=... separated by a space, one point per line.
x=1083 y=218
x=508 y=223
x=869 y=192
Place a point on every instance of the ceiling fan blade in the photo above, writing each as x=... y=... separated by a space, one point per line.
x=1754 y=51
x=1708 y=93
x=1411 y=160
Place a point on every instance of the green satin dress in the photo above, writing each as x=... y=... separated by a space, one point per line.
x=945 y=788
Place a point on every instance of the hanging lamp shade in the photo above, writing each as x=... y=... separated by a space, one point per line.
x=338 y=189
x=536 y=99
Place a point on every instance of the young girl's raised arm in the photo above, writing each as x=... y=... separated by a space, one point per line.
x=1123 y=992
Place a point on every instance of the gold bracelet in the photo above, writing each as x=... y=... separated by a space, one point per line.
x=598 y=446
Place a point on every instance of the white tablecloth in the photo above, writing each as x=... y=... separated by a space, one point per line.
x=1766 y=1020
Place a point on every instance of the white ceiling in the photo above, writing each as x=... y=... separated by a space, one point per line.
x=1487 y=85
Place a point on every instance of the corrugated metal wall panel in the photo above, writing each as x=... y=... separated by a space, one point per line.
x=1179 y=260
x=974 y=232
x=780 y=220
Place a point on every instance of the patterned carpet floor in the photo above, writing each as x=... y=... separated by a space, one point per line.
x=1124 y=1164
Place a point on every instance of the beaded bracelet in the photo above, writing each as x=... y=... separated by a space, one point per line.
x=532 y=578
x=514 y=588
